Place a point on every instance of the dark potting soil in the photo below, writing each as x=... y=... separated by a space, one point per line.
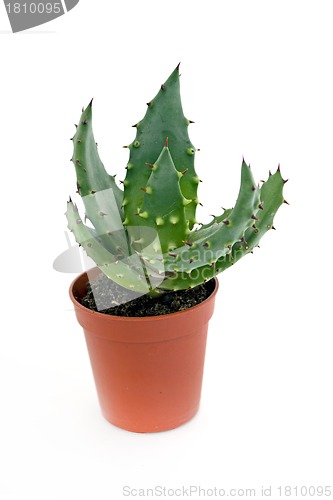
x=127 y=303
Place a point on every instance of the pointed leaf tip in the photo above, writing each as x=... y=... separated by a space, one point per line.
x=91 y=102
x=177 y=67
x=167 y=142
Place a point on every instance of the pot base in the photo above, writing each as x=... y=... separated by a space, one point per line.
x=167 y=426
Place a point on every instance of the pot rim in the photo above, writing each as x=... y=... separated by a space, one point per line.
x=129 y=319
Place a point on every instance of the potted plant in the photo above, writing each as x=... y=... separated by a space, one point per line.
x=145 y=307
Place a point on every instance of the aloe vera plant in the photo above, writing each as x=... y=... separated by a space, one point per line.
x=146 y=236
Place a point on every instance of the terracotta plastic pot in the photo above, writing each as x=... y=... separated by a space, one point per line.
x=148 y=371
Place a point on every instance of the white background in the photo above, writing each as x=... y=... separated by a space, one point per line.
x=257 y=79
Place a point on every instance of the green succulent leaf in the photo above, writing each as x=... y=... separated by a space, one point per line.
x=164 y=204
x=208 y=244
x=101 y=196
x=164 y=119
x=271 y=198
x=126 y=271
